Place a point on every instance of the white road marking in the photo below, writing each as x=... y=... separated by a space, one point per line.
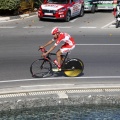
x=107 y=24
x=88 y=27
x=73 y=20
x=99 y=44
x=33 y=27
x=59 y=78
x=111 y=26
x=8 y=26
x=48 y=85
x=65 y=26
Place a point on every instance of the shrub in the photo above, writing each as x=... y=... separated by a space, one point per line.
x=9 y=4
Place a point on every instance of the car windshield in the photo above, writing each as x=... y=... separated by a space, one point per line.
x=58 y=1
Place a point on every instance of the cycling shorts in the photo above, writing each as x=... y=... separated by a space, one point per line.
x=66 y=48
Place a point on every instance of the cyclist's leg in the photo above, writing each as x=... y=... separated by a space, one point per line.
x=58 y=54
x=64 y=49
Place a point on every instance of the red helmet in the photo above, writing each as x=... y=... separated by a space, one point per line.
x=55 y=30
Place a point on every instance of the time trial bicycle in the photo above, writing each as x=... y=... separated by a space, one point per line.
x=71 y=67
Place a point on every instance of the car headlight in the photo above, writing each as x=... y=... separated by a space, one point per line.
x=62 y=10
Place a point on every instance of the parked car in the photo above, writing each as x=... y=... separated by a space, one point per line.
x=90 y=6
x=61 y=9
x=95 y=5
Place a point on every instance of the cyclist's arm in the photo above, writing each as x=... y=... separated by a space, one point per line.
x=52 y=48
x=48 y=43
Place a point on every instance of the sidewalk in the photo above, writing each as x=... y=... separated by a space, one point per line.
x=7 y=18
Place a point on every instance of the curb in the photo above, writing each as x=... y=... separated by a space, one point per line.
x=41 y=90
x=17 y=17
x=42 y=96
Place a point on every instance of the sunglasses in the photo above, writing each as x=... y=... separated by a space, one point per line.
x=54 y=34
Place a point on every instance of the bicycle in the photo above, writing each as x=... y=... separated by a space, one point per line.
x=71 y=67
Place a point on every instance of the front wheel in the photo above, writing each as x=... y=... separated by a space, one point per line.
x=73 y=67
x=68 y=16
x=40 y=68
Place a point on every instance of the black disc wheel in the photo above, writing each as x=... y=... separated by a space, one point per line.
x=73 y=67
x=40 y=68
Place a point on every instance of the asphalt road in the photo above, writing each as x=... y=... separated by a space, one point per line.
x=97 y=45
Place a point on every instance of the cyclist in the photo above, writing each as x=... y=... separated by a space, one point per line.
x=58 y=36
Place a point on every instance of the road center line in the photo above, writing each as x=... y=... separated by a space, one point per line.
x=8 y=26
x=33 y=27
x=88 y=27
x=98 y=44
x=65 y=26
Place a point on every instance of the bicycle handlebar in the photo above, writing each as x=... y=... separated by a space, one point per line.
x=42 y=50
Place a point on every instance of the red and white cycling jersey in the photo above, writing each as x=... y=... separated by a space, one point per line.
x=65 y=37
x=69 y=42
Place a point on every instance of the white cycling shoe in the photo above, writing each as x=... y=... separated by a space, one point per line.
x=56 y=69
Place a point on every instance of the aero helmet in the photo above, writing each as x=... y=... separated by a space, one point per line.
x=55 y=30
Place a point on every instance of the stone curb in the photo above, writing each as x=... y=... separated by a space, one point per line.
x=17 y=17
x=55 y=89
x=30 y=97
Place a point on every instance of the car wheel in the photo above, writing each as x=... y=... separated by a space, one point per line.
x=81 y=14
x=16 y=12
x=117 y=24
x=96 y=8
x=93 y=9
x=68 y=16
x=40 y=19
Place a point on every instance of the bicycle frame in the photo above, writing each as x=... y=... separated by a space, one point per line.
x=49 y=58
